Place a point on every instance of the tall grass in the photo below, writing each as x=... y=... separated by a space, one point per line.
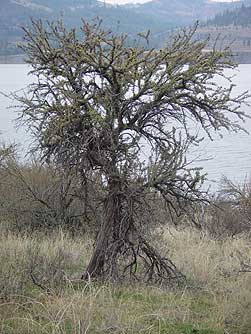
x=40 y=291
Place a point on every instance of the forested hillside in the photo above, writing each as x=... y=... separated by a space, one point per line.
x=232 y=28
x=238 y=17
x=158 y=16
x=15 y=14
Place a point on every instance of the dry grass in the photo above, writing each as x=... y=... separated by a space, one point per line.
x=216 y=300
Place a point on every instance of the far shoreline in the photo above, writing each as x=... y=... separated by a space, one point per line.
x=240 y=58
x=12 y=59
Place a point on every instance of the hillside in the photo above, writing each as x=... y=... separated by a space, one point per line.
x=232 y=28
x=184 y=12
x=15 y=14
x=240 y=16
x=238 y=38
x=157 y=15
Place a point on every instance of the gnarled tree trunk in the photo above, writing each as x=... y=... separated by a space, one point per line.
x=108 y=232
x=121 y=249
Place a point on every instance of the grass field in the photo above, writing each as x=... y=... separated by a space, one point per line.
x=40 y=292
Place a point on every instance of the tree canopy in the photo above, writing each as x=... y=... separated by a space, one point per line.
x=125 y=114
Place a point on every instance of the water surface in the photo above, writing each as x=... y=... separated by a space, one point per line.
x=230 y=156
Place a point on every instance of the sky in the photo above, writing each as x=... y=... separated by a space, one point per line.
x=121 y=2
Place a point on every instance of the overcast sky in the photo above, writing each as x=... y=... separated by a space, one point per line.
x=120 y=2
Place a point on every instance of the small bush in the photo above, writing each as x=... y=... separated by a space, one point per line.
x=35 y=197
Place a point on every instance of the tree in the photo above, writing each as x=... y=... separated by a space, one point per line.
x=123 y=114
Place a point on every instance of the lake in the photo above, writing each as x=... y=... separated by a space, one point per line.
x=229 y=156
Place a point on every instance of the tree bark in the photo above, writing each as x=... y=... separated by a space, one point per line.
x=108 y=232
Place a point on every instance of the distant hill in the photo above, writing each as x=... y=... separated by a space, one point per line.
x=232 y=28
x=16 y=13
x=182 y=12
x=157 y=15
x=13 y=14
x=238 y=17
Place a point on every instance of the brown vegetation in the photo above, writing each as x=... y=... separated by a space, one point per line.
x=41 y=262
x=215 y=300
